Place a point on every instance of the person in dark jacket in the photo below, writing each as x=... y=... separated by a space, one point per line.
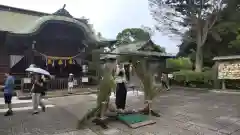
x=121 y=91
x=44 y=80
x=37 y=89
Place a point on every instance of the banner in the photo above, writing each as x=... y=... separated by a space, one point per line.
x=60 y=62
x=49 y=61
x=70 y=61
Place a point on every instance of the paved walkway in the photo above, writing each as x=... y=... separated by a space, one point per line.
x=20 y=105
x=187 y=113
x=57 y=93
x=183 y=113
x=59 y=119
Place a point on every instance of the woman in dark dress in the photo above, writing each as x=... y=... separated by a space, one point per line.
x=121 y=91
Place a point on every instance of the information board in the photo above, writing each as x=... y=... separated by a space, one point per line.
x=229 y=70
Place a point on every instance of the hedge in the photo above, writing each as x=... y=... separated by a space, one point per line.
x=203 y=79
x=193 y=79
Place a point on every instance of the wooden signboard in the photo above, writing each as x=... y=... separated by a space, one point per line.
x=84 y=79
x=229 y=70
x=26 y=80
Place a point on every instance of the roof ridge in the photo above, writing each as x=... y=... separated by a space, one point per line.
x=29 y=12
x=22 y=10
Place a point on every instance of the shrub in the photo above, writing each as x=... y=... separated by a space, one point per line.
x=193 y=79
x=232 y=84
x=203 y=79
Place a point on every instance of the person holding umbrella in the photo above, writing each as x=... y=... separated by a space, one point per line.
x=37 y=90
x=8 y=93
x=37 y=87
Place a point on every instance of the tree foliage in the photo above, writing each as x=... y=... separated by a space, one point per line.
x=198 y=15
x=179 y=64
x=227 y=27
x=130 y=35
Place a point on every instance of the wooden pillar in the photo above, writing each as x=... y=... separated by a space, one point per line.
x=154 y=70
x=33 y=53
x=216 y=81
x=223 y=84
x=4 y=57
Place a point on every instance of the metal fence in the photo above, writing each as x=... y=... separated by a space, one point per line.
x=57 y=83
x=62 y=83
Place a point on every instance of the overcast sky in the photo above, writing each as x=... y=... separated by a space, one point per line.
x=107 y=16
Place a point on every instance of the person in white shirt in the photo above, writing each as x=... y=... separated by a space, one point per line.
x=70 y=83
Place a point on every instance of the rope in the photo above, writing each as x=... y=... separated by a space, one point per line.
x=57 y=58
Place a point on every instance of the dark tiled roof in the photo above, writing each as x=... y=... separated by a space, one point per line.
x=29 y=12
x=23 y=11
x=233 y=57
x=135 y=49
x=63 y=12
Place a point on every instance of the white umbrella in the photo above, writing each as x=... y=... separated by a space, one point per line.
x=37 y=70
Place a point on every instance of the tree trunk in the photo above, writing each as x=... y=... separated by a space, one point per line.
x=199 y=58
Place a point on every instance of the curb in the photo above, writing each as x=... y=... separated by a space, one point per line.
x=64 y=95
x=225 y=91
x=230 y=91
x=189 y=88
x=54 y=96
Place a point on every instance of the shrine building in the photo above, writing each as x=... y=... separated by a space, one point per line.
x=56 y=42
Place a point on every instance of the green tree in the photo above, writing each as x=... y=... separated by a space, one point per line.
x=232 y=22
x=130 y=35
x=226 y=27
x=198 y=15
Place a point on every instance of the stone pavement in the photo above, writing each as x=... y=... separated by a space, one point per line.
x=58 y=93
x=183 y=113
x=20 y=105
x=59 y=119
x=186 y=113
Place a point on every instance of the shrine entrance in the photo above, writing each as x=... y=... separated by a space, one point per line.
x=57 y=46
x=55 y=42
